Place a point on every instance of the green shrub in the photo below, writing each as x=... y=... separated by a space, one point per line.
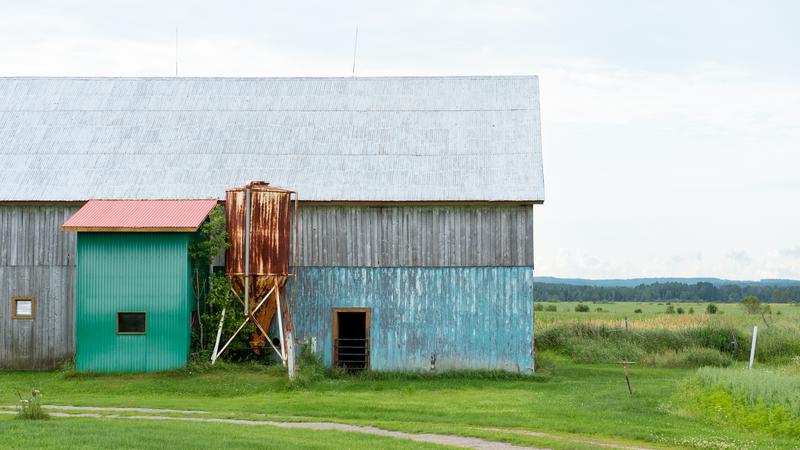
x=580 y=307
x=679 y=310
x=670 y=309
x=220 y=296
x=208 y=242
x=552 y=308
x=538 y=307
x=309 y=369
x=711 y=308
x=752 y=304
x=637 y=311
x=598 y=310
x=705 y=357
x=31 y=408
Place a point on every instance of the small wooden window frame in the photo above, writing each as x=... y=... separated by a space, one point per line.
x=14 y=308
x=367 y=324
x=144 y=313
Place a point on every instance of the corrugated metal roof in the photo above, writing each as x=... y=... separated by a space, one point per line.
x=140 y=215
x=330 y=139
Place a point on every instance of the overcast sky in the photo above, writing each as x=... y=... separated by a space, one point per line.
x=671 y=129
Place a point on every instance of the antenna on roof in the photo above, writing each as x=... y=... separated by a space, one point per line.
x=355 y=47
x=176 y=51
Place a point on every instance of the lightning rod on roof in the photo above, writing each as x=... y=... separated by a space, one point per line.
x=355 y=47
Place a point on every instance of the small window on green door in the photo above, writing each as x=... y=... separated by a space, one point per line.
x=131 y=323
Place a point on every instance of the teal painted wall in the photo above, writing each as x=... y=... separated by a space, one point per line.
x=133 y=272
x=470 y=317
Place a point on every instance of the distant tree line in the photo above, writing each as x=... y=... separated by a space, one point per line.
x=726 y=293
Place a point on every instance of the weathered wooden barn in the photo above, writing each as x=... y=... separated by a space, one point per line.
x=416 y=201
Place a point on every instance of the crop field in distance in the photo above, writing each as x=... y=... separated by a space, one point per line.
x=655 y=315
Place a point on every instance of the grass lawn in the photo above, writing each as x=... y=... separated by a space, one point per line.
x=567 y=400
x=59 y=433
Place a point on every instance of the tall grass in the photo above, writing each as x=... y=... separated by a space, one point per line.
x=691 y=357
x=755 y=399
x=590 y=342
x=756 y=386
x=31 y=408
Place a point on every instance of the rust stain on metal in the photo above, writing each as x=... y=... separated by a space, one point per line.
x=260 y=286
x=270 y=230
x=270 y=249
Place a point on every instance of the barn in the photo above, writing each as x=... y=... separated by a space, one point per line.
x=417 y=194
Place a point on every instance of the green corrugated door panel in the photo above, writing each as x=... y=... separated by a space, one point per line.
x=133 y=272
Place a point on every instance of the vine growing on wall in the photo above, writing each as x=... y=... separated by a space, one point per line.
x=210 y=240
x=220 y=296
x=213 y=291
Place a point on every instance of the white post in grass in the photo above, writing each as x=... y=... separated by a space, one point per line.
x=214 y=355
x=290 y=361
x=753 y=346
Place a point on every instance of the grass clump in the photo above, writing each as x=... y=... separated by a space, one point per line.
x=692 y=357
x=759 y=400
x=757 y=386
x=310 y=369
x=31 y=408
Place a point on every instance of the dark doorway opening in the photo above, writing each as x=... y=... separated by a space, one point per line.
x=351 y=338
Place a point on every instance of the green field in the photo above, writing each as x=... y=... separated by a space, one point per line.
x=620 y=310
x=567 y=404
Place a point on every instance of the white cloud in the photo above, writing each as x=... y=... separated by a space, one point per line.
x=793 y=252
x=707 y=96
x=740 y=257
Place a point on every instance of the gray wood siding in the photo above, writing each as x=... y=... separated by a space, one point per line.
x=37 y=259
x=415 y=236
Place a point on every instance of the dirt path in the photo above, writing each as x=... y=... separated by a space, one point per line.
x=443 y=439
x=579 y=440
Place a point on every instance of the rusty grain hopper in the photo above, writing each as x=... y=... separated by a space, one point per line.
x=260 y=227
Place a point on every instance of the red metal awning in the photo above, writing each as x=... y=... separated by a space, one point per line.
x=140 y=215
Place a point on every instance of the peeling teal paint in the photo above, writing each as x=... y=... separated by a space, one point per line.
x=469 y=317
x=133 y=272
